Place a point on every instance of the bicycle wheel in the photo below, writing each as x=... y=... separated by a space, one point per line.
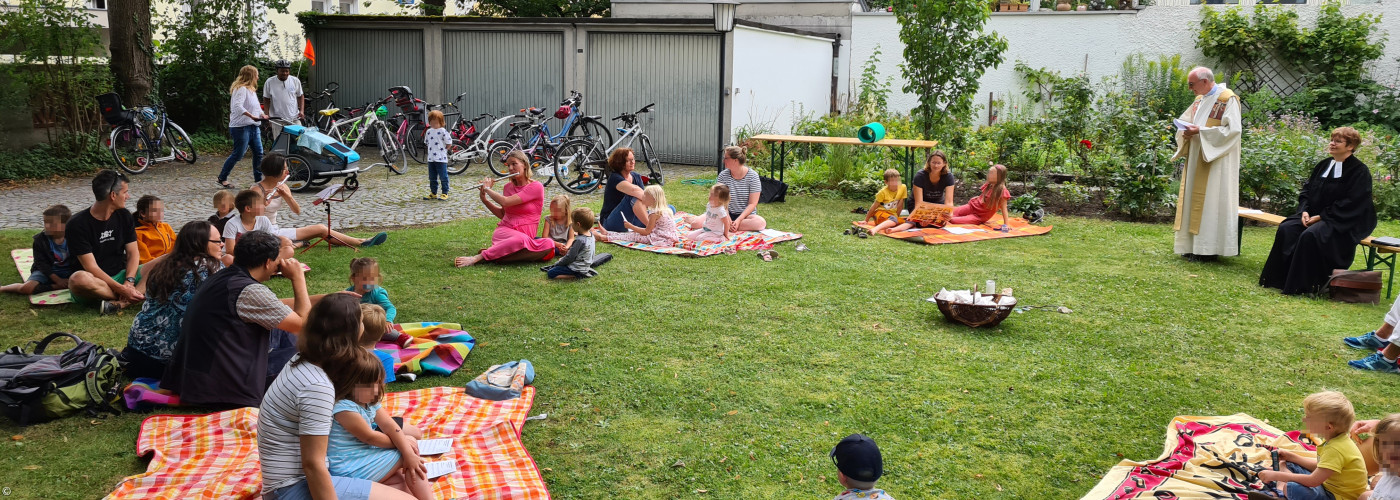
x=455 y=166
x=181 y=144
x=417 y=147
x=593 y=129
x=299 y=177
x=129 y=149
x=652 y=161
x=542 y=164
x=496 y=157
x=389 y=149
x=579 y=166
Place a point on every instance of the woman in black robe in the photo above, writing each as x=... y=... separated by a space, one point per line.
x=1334 y=214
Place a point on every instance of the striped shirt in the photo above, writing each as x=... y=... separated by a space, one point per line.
x=740 y=190
x=297 y=404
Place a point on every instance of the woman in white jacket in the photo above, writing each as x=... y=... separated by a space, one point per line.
x=244 y=113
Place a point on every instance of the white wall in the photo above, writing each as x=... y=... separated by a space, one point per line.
x=1070 y=42
x=776 y=75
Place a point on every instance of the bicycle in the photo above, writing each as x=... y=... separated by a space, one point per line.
x=370 y=121
x=581 y=164
x=576 y=125
x=143 y=136
x=476 y=145
x=537 y=148
x=322 y=119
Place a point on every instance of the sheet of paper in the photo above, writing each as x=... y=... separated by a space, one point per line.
x=962 y=230
x=1251 y=211
x=427 y=447
x=771 y=233
x=441 y=468
x=1180 y=125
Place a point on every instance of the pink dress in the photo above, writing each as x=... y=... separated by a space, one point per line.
x=975 y=212
x=520 y=224
x=664 y=235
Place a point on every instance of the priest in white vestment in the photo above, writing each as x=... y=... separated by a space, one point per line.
x=1208 y=137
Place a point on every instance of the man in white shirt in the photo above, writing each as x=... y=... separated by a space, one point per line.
x=282 y=94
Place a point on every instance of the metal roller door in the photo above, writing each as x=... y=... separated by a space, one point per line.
x=678 y=72
x=502 y=72
x=366 y=63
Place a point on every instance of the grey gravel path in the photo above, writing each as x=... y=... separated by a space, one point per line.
x=384 y=200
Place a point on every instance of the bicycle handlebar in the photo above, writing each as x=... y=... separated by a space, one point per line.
x=633 y=116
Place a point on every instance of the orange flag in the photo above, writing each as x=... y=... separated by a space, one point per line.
x=309 y=53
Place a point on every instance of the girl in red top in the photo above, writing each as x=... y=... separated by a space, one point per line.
x=993 y=199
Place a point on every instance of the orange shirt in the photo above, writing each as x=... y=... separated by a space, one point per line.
x=154 y=241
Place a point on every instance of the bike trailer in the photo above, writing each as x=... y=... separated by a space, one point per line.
x=321 y=144
x=110 y=104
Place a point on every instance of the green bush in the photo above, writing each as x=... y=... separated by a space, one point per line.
x=1276 y=159
x=209 y=143
x=82 y=154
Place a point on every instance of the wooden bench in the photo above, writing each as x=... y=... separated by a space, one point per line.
x=779 y=161
x=1376 y=254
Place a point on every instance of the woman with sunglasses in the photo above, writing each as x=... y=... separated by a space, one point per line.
x=170 y=284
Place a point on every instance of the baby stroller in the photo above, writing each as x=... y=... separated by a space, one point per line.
x=313 y=158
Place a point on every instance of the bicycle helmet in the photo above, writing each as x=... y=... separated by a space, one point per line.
x=563 y=112
x=147 y=114
x=281 y=63
x=381 y=112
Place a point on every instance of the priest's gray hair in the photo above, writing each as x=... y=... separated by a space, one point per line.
x=1203 y=73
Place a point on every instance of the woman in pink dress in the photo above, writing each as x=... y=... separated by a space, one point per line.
x=519 y=205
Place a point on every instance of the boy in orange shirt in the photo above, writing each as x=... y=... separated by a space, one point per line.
x=154 y=237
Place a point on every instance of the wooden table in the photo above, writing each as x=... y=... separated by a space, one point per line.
x=778 y=161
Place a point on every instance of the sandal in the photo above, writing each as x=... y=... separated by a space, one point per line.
x=766 y=256
x=226 y=184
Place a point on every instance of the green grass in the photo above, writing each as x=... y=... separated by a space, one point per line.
x=748 y=372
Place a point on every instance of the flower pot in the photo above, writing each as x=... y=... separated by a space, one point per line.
x=1020 y=7
x=1082 y=8
x=1063 y=6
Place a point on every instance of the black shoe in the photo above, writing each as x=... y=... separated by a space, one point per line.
x=602 y=258
x=1201 y=258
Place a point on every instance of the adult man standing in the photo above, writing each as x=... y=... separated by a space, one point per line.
x=103 y=238
x=1209 y=139
x=282 y=94
x=236 y=334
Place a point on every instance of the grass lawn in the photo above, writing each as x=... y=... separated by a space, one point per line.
x=748 y=372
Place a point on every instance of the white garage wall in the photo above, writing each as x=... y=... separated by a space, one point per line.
x=1071 y=42
x=777 y=75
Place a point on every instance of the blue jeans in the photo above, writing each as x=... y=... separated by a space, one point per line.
x=437 y=170
x=346 y=488
x=622 y=212
x=281 y=347
x=557 y=271
x=1297 y=491
x=242 y=138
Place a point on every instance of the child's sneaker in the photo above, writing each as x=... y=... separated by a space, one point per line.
x=1369 y=342
x=1376 y=363
x=431 y=196
x=442 y=197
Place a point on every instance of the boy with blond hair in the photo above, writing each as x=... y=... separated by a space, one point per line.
x=1338 y=472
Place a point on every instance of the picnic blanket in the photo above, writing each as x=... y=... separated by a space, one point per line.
x=216 y=455
x=939 y=236
x=434 y=348
x=1204 y=457
x=24 y=260
x=747 y=240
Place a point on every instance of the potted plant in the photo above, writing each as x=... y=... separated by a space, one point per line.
x=1062 y=5
x=1003 y=6
x=1082 y=7
x=1029 y=206
x=1020 y=6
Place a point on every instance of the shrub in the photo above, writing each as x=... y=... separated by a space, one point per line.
x=47 y=160
x=1276 y=159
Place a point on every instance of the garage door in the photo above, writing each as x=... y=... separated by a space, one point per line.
x=502 y=72
x=367 y=62
x=678 y=72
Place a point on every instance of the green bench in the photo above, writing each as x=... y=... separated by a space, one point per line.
x=1376 y=254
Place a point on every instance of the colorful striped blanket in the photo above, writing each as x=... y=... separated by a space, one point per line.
x=24 y=260
x=216 y=455
x=1204 y=457
x=939 y=236
x=434 y=348
x=747 y=240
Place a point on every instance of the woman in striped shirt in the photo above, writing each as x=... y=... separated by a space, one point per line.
x=744 y=190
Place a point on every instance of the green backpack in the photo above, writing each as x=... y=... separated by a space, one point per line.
x=37 y=387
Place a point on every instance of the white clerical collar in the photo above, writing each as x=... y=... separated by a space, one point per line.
x=1335 y=169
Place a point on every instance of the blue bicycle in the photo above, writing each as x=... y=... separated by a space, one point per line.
x=576 y=126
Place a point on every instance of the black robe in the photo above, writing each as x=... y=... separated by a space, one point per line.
x=1303 y=258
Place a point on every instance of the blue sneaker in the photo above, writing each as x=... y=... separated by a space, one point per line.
x=1376 y=363
x=1369 y=342
x=378 y=239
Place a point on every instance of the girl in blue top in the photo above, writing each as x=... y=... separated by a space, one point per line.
x=359 y=444
x=364 y=279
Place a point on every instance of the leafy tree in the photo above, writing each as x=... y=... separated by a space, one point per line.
x=50 y=75
x=203 y=51
x=540 y=8
x=131 y=49
x=945 y=54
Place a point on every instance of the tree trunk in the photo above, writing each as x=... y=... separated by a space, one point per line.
x=130 y=23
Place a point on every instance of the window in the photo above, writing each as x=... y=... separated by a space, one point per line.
x=347 y=7
x=1214 y=2
x=97 y=4
x=1284 y=2
x=318 y=6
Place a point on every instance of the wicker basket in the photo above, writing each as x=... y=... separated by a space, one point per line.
x=975 y=315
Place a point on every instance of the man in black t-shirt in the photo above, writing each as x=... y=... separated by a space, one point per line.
x=103 y=238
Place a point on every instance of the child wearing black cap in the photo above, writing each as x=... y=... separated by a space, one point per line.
x=858 y=466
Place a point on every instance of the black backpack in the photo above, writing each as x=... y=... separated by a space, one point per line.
x=37 y=387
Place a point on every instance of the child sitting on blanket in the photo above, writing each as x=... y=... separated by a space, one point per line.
x=661 y=223
x=557 y=226
x=53 y=264
x=888 y=201
x=716 y=227
x=993 y=199
x=858 y=466
x=364 y=280
x=1338 y=472
x=359 y=445
x=376 y=329
x=578 y=262
x=154 y=237
x=1387 y=451
x=223 y=209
